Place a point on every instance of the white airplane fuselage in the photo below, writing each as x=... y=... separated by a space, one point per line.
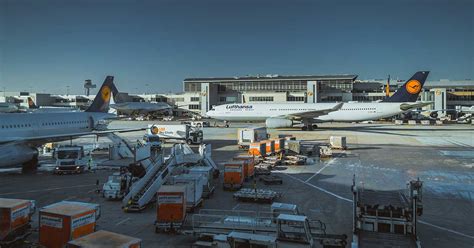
x=349 y=112
x=21 y=133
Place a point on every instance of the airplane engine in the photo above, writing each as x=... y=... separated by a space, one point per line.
x=278 y=123
x=12 y=155
x=434 y=114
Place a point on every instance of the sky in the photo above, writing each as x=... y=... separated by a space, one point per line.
x=151 y=46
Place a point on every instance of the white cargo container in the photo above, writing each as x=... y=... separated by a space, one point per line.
x=251 y=135
x=176 y=132
x=338 y=142
x=208 y=173
x=194 y=188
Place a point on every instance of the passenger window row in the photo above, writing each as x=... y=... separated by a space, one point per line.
x=44 y=124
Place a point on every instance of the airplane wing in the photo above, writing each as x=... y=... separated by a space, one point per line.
x=310 y=114
x=415 y=105
x=60 y=137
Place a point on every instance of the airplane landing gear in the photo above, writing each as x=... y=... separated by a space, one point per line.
x=307 y=128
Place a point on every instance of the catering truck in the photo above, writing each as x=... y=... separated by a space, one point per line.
x=71 y=159
x=185 y=133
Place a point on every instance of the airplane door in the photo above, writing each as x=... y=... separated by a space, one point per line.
x=91 y=123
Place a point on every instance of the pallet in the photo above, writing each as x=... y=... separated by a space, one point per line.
x=271 y=179
x=261 y=195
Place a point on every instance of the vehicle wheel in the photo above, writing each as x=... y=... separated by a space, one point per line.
x=189 y=142
x=315 y=126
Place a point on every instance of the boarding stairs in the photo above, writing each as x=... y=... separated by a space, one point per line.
x=143 y=191
x=125 y=149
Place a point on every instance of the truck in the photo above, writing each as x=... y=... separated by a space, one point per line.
x=184 y=132
x=117 y=186
x=71 y=160
x=197 y=124
x=249 y=135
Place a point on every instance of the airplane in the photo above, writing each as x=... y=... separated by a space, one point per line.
x=280 y=115
x=22 y=133
x=142 y=108
x=6 y=107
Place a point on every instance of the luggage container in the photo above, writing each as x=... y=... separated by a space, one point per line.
x=88 y=204
x=338 y=142
x=303 y=148
x=258 y=149
x=194 y=187
x=62 y=222
x=250 y=135
x=208 y=173
x=234 y=174
x=288 y=137
x=105 y=239
x=15 y=217
x=269 y=147
x=249 y=165
x=279 y=144
x=170 y=207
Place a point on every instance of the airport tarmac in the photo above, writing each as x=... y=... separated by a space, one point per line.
x=382 y=156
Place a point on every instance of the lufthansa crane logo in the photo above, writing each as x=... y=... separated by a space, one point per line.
x=413 y=87
x=154 y=130
x=105 y=93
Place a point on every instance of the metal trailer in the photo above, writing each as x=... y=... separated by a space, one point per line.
x=249 y=135
x=256 y=195
x=289 y=230
x=271 y=179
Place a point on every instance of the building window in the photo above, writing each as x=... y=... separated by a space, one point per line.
x=261 y=98
x=194 y=99
x=295 y=99
x=194 y=106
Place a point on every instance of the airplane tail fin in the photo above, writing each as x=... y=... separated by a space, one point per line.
x=102 y=99
x=410 y=90
x=31 y=103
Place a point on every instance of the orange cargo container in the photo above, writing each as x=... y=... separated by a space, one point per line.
x=269 y=147
x=105 y=239
x=257 y=149
x=234 y=174
x=64 y=221
x=279 y=144
x=171 y=204
x=14 y=216
x=249 y=164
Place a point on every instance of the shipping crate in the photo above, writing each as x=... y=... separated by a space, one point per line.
x=338 y=142
x=234 y=174
x=62 y=222
x=15 y=216
x=105 y=239
x=194 y=188
x=249 y=165
x=170 y=207
x=258 y=149
x=279 y=144
x=269 y=147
